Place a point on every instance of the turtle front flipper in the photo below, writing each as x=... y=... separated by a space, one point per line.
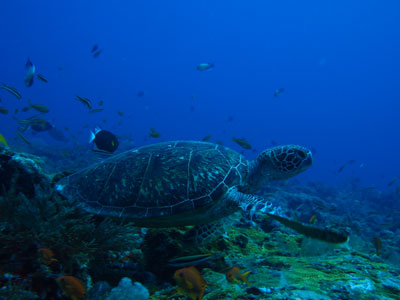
x=252 y=205
x=326 y=235
x=204 y=233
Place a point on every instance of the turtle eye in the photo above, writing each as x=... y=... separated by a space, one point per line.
x=302 y=154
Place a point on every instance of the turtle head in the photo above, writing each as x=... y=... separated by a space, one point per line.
x=279 y=163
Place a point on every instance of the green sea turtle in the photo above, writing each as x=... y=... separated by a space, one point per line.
x=181 y=183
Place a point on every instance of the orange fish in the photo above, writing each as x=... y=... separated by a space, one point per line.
x=236 y=275
x=190 y=282
x=378 y=245
x=46 y=256
x=72 y=287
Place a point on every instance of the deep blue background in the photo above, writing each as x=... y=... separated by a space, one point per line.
x=337 y=60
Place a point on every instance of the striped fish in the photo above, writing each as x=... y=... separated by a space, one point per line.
x=11 y=90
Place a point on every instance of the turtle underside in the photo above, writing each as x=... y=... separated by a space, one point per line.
x=166 y=184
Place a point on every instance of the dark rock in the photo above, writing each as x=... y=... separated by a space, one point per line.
x=267 y=225
x=158 y=247
x=20 y=173
x=99 y=291
x=254 y=291
x=241 y=241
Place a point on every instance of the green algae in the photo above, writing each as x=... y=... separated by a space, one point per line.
x=278 y=267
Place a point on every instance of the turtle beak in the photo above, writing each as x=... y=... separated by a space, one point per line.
x=309 y=159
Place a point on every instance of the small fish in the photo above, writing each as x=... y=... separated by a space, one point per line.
x=97 y=53
x=40 y=125
x=313 y=219
x=100 y=103
x=120 y=122
x=378 y=245
x=393 y=181
x=60 y=68
x=85 y=126
x=342 y=168
x=27 y=108
x=41 y=77
x=23 y=138
x=27 y=120
x=85 y=101
x=104 y=121
x=3 y=140
x=120 y=113
x=46 y=256
x=39 y=107
x=236 y=275
x=140 y=94
x=278 y=92
x=154 y=134
x=71 y=287
x=206 y=138
x=191 y=260
x=219 y=143
x=369 y=188
x=65 y=154
x=3 y=110
x=11 y=90
x=104 y=140
x=389 y=224
x=296 y=218
x=242 y=143
x=205 y=66
x=16 y=111
x=128 y=256
x=94 y=48
x=30 y=73
x=96 y=110
x=190 y=283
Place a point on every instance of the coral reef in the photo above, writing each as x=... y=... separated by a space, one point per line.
x=128 y=291
x=44 y=236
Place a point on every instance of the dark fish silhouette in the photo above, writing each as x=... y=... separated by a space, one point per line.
x=30 y=73
x=104 y=140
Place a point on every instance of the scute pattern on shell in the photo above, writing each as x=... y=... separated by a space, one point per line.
x=158 y=180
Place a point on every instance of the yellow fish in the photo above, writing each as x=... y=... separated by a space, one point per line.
x=313 y=219
x=3 y=140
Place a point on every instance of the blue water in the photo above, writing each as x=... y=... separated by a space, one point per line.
x=337 y=60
